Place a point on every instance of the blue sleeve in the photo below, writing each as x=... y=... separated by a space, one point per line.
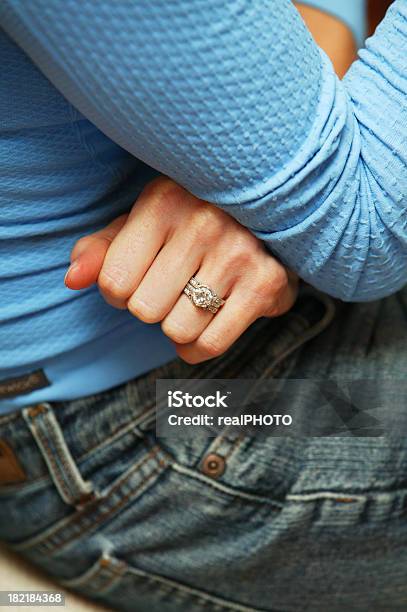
x=351 y=12
x=234 y=101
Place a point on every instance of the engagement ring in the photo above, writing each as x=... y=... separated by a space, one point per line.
x=203 y=296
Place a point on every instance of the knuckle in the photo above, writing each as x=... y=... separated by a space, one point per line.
x=284 y=301
x=162 y=192
x=82 y=245
x=207 y=222
x=280 y=278
x=176 y=332
x=264 y=289
x=132 y=243
x=243 y=240
x=114 y=284
x=211 y=344
x=243 y=249
x=158 y=185
x=240 y=257
x=271 y=284
x=84 y=242
x=209 y=214
x=144 y=311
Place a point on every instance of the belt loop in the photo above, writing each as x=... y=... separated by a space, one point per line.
x=62 y=467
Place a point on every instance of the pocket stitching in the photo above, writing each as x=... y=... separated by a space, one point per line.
x=223 y=488
x=118 y=570
x=204 y=598
x=53 y=538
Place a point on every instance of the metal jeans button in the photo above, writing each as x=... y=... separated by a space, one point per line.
x=213 y=465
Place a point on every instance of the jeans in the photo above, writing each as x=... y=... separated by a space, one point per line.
x=139 y=523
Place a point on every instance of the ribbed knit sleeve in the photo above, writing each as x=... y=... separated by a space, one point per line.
x=234 y=101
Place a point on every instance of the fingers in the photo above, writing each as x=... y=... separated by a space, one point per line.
x=190 y=229
x=118 y=256
x=131 y=254
x=88 y=255
x=165 y=280
x=251 y=297
x=144 y=260
x=222 y=331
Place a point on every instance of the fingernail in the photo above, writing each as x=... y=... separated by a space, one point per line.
x=71 y=268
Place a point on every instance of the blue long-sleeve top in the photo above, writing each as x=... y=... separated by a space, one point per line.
x=234 y=101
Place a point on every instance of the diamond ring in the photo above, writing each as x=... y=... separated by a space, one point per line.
x=203 y=296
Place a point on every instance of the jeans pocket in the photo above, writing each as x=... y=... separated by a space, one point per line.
x=122 y=586
x=131 y=484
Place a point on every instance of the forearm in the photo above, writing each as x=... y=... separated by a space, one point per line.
x=234 y=103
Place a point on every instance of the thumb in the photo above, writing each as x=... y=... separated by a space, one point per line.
x=88 y=255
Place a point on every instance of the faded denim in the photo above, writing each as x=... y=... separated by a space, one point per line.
x=317 y=524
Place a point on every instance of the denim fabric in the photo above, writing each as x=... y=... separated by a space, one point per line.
x=317 y=524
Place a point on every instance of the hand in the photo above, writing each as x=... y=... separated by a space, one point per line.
x=142 y=261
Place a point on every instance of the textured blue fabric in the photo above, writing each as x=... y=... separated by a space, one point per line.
x=234 y=101
x=60 y=178
x=129 y=350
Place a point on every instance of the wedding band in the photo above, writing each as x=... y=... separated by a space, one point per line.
x=203 y=296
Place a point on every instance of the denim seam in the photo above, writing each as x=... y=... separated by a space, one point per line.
x=104 y=565
x=49 y=548
x=301 y=340
x=205 y=599
x=115 y=435
x=51 y=459
x=234 y=447
x=223 y=446
x=227 y=489
x=326 y=495
x=67 y=478
x=217 y=443
x=56 y=537
x=371 y=496
x=68 y=466
x=115 y=575
x=118 y=569
x=8 y=418
x=231 y=492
